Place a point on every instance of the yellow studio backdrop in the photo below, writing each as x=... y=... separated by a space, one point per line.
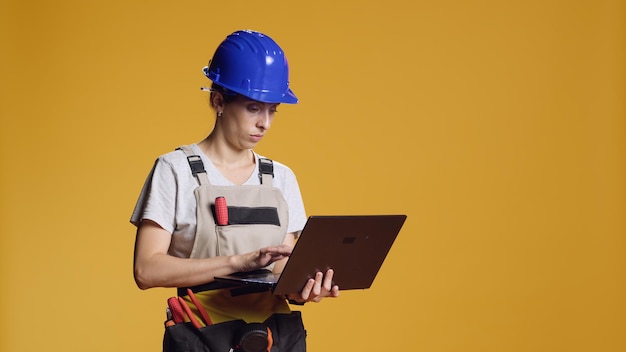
x=498 y=127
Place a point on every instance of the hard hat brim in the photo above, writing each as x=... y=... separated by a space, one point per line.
x=289 y=97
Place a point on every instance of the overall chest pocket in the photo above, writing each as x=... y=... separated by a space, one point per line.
x=248 y=229
x=247 y=218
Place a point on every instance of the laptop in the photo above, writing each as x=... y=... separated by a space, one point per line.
x=354 y=246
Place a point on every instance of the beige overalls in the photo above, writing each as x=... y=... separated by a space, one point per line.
x=258 y=217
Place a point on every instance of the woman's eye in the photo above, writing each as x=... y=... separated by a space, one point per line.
x=255 y=108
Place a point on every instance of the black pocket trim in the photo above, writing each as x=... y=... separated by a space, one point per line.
x=253 y=216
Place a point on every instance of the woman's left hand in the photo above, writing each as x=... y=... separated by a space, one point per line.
x=317 y=288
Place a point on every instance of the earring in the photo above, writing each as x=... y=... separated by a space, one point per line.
x=219 y=114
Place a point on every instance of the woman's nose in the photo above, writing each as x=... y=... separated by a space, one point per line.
x=265 y=120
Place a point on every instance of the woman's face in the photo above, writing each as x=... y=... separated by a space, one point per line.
x=244 y=122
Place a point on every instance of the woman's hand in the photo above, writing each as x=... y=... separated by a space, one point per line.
x=317 y=288
x=264 y=257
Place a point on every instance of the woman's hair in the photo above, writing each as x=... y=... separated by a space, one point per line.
x=228 y=94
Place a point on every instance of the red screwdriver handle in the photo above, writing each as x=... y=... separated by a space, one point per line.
x=221 y=211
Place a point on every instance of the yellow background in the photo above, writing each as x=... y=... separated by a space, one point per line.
x=497 y=126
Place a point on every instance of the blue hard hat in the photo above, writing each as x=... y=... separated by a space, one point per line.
x=251 y=64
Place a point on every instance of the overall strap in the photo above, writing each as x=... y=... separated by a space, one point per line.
x=196 y=164
x=266 y=167
x=266 y=171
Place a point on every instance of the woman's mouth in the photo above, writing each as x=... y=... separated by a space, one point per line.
x=256 y=137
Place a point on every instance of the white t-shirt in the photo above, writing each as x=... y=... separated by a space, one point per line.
x=167 y=196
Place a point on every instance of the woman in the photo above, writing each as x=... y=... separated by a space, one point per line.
x=176 y=244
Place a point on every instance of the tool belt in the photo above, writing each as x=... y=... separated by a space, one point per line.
x=278 y=333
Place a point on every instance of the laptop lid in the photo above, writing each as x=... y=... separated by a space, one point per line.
x=354 y=246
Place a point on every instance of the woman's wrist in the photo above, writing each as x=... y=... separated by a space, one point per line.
x=237 y=263
x=292 y=300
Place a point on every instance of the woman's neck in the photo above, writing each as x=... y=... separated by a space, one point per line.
x=224 y=156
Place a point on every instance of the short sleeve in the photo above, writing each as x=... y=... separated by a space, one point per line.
x=157 y=200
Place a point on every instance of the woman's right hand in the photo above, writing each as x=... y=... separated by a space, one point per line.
x=264 y=257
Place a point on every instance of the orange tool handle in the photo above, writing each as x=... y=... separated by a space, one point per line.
x=176 y=309
x=203 y=312
x=187 y=310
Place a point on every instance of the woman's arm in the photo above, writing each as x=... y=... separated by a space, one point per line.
x=153 y=267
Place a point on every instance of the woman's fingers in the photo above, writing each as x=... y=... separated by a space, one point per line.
x=306 y=290
x=268 y=255
x=320 y=286
x=328 y=280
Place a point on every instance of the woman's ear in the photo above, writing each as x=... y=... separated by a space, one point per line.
x=217 y=101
